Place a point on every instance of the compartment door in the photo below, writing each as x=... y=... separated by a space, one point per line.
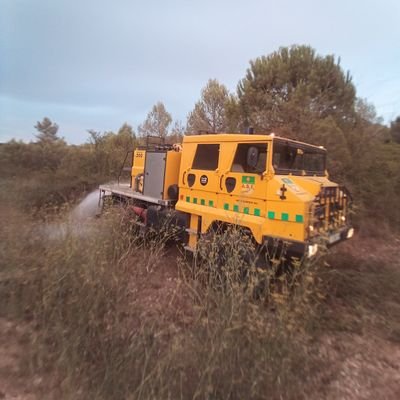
x=154 y=174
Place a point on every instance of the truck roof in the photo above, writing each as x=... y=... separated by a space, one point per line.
x=239 y=137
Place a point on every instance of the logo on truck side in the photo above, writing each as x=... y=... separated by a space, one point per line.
x=248 y=183
x=204 y=180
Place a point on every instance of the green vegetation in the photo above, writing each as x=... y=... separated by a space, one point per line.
x=49 y=173
x=157 y=122
x=117 y=315
x=209 y=112
x=294 y=87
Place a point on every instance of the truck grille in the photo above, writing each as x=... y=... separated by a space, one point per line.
x=331 y=208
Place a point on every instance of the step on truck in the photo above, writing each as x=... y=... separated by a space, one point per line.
x=277 y=189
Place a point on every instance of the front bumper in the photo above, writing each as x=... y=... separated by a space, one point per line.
x=344 y=233
x=328 y=239
x=310 y=247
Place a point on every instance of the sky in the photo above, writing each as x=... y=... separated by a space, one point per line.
x=94 y=64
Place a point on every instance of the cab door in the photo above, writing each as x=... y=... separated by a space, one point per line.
x=200 y=178
x=243 y=187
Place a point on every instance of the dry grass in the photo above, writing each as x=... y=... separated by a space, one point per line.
x=213 y=338
x=362 y=290
x=116 y=315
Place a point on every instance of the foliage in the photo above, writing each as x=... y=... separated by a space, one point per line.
x=157 y=122
x=375 y=183
x=395 y=129
x=49 y=173
x=177 y=132
x=292 y=87
x=109 y=149
x=47 y=131
x=209 y=112
x=366 y=111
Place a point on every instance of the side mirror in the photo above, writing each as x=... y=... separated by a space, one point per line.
x=252 y=157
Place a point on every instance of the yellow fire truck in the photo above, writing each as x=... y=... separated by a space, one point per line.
x=277 y=189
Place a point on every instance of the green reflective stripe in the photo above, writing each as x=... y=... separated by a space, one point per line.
x=299 y=218
x=285 y=216
x=271 y=214
x=251 y=180
x=257 y=212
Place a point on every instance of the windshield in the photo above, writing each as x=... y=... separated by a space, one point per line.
x=298 y=159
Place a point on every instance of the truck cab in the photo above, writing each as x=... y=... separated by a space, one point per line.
x=276 y=188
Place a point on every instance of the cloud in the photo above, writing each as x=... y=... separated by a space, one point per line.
x=98 y=62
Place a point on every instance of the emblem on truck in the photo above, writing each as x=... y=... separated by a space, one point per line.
x=204 y=180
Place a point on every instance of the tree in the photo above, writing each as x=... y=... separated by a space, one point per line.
x=47 y=131
x=366 y=111
x=177 y=132
x=293 y=87
x=49 y=147
x=371 y=125
x=209 y=113
x=395 y=129
x=125 y=138
x=126 y=130
x=109 y=149
x=157 y=122
x=325 y=132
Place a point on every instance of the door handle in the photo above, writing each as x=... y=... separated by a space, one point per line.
x=184 y=176
x=222 y=177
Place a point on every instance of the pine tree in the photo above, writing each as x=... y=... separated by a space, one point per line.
x=209 y=112
x=47 y=131
x=293 y=87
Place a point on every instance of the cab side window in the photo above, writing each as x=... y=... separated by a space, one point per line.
x=206 y=157
x=240 y=161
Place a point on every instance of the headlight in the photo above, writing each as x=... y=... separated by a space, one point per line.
x=350 y=233
x=312 y=250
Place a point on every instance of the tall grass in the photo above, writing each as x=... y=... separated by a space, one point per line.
x=244 y=334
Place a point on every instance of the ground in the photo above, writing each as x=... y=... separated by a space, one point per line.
x=361 y=363
x=15 y=383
